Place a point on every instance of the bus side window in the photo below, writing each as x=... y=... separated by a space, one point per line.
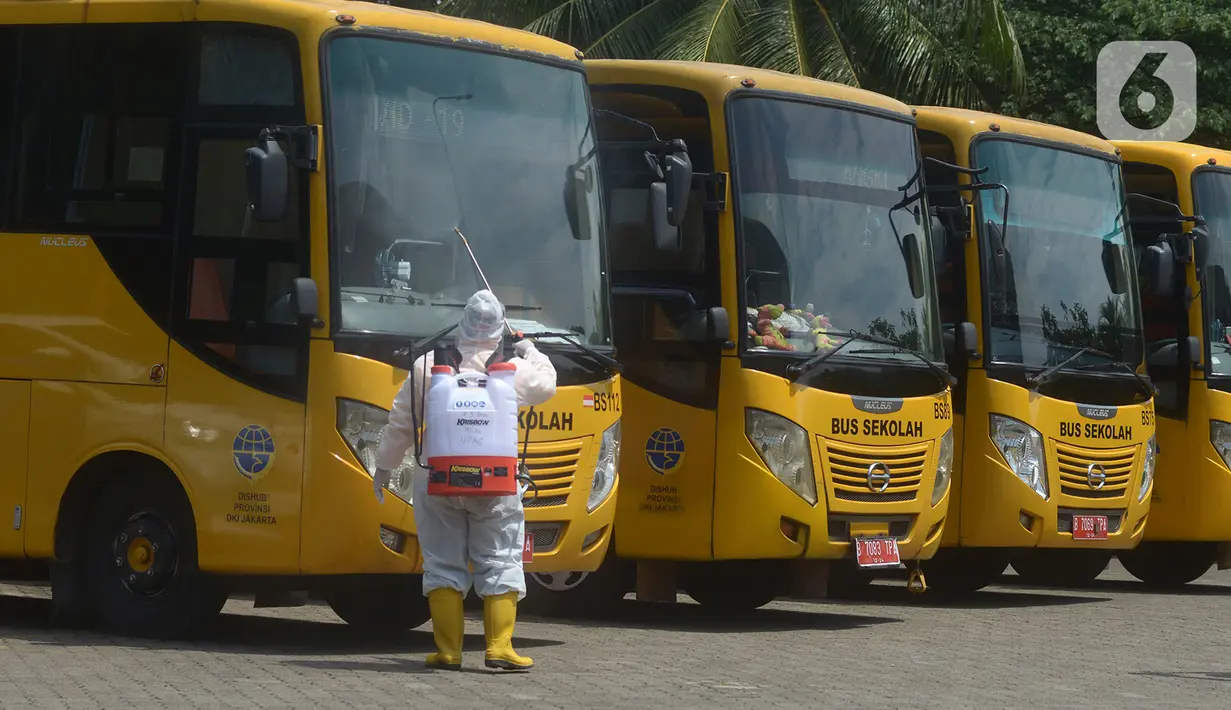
x=658 y=295
x=236 y=273
x=1165 y=319
x=101 y=105
x=9 y=49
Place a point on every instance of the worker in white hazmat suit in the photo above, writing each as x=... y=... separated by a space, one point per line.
x=487 y=531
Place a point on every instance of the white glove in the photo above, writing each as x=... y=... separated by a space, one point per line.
x=380 y=481
x=522 y=347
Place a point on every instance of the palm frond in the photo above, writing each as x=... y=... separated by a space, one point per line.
x=893 y=41
x=640 y=31
x=710 y=32
x=776 y=38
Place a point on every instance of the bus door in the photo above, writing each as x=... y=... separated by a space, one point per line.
x=237 y=371
x=1165 y=325
x=952 y=245
x=14 y=394
x=671 y=373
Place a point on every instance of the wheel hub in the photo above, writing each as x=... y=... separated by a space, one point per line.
x=560 y=581
x=145 y=555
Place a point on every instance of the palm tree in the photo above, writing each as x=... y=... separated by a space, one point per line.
x=951 y=52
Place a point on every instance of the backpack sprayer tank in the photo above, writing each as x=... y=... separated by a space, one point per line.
x=471 y=427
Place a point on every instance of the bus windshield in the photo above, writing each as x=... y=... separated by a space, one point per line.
x=425 y=139
x=1067 y=279
x=1212 y=195
x=827 y=197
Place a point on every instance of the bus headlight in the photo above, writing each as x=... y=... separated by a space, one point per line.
x=361 y=426
x=783 y=446
x=607 y=468
x=1021 y=447
x=1147 y=468
x=1220 y=437
x=944 y=467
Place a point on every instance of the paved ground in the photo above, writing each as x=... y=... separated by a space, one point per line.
x=1010 y=647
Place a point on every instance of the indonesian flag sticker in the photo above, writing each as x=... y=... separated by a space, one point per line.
x=587 y=401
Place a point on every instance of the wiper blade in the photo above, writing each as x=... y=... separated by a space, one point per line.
x=941 y=374
x=1146 y=383
x=609 y=362
x=799 y=369
x=1034 y=381
x=507 y=307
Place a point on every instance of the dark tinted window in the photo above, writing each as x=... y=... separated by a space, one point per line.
x=98 y=135
x=1165 y=319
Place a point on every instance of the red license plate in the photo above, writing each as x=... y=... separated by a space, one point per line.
x=877 y=552
x=1089 y=527
x=527 y=548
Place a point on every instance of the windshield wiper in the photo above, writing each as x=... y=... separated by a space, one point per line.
x=507 y=307
x=941 y=374
x=609 y=362
x=799 y=369
x=1147 y=384
x=1034 y=381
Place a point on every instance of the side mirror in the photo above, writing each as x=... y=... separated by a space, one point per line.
x=967 y=338
x=269 y=179
x=678 y=177
x=914 y=264
x=718 y=325
x=1113 y=266
x=1160 y=269
x=940 y=245
x=712 y=325
x=998 y=256
x=666 y=235
x=1193 y=346
x=1201 y=246
x=578 y=183
x=304 y=301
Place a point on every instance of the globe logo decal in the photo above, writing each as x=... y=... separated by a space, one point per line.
x=664 y=450
x=253 y=451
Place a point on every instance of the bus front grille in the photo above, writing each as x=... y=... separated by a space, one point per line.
x=855 y=472
x=553 y=466
x=1082 y=469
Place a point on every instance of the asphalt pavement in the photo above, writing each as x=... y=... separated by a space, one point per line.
x=1112 y=645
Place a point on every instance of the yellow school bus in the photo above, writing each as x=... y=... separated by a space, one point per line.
x=1054 y=418
x=775 y=311
x=1188 y=353
x=227 y=229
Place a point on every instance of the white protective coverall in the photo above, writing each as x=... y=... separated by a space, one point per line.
x=488 y=531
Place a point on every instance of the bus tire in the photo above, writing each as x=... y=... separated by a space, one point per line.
x=385 y=604
x=139 y=560
x=1059 y=567
x=1169 y=565
x=565 y=594
x=958 y=571
x=735 y=586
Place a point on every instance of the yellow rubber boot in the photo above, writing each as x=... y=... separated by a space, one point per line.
x=499 y=613
x=448 y=628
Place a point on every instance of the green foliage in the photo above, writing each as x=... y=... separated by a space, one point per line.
x=887 y=45
x=1061 y=40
